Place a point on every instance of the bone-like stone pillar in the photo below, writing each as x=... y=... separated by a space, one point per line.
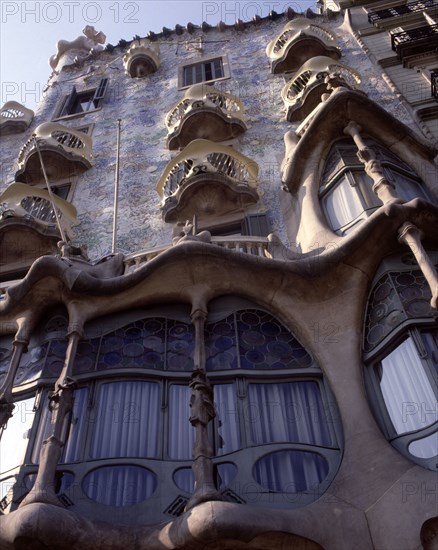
x=60 y=405
x=202 y=412
x=20 y=343
x=410 y=235
x=384 y=189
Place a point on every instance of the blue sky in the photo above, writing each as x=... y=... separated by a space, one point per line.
x=31 y=29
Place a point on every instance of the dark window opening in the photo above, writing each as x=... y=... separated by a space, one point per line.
x=82 y=102
x=203 y=72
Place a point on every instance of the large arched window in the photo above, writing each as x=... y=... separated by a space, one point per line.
x=401 y=353
x=346 y=193
x=129 y=439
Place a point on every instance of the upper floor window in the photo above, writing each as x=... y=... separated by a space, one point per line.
x=77 y=103
x=346 y=193
x=374 y=16
x=207 y=70
x=401 y=353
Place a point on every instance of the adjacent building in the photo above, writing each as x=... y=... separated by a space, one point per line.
x=218 y=304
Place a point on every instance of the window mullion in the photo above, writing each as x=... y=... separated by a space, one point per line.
x=419 y=344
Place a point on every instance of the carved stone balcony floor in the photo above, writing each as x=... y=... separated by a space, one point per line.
x=65 y=152
x=141 y=59
x=14 y=118
x=34 y=204
x=207 y=178
x=299 y=41
x=204 y=112
x=303 y=92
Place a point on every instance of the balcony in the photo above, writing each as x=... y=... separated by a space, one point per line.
x=207 y=179
x=204 y=112
x=28 y=227
x=303 y=93
x=374 y=17
x=415 y=41
x=64 y=151
x=142 y=58
x=300 y=41
x=34 y=204
x=14 y=118
x=256 y=246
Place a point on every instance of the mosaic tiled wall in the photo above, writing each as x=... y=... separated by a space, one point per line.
x=142 y=104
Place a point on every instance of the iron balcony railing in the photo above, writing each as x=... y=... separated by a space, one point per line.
x=427 y=35
x=402 y=9
x=434 y=85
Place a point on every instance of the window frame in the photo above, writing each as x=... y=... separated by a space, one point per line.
x=182 y=85
x=96 y=97
x=413 y=327
x=353 y=172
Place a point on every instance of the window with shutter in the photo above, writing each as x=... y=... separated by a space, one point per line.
x=83 y=102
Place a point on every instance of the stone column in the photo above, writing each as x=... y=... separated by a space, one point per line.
x=60 y=405
x=19 y=347
x=202 y=412
x=383 y=188
x=410 y=235
x=6 y=405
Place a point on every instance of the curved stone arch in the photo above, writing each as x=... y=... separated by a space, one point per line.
x=398 y=350
x=306 y=155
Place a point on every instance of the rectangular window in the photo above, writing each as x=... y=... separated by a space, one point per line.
x=254 y=225
x=82 y=102
x=207 y=70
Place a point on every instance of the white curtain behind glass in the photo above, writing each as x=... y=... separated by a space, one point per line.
x=227 y=438
x=406 y=389
x=127 y=421
x=181 y=433
x=120 y=485
x=287 y=412
x=342 y=204
x=290 y=471
x=14 y=439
